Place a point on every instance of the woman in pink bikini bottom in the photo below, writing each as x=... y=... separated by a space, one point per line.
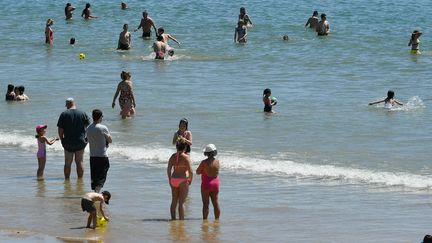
x=178 y=164
x=209 y=171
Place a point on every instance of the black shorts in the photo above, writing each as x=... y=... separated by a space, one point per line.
x=268 y=108
x=99 y=167
x=87 y=205
x=146 y=34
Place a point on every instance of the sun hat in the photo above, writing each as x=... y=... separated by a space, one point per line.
x=209 y=148
x=39 y=127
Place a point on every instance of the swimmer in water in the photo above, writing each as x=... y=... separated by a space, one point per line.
x=240 y=33
x=268 y=101
x=243 y=16
x=159 y=47
x=323 y=27
x=285 y=38
x=68 y=11
x=86 y=13
x=389 y=102
x=124 y=42
x=124 y=6
x=415 y=42
x=166 y=37
x=49 y=38
x=313 y=21
x=146 y=24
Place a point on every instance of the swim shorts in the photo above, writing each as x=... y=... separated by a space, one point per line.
x=87 y=205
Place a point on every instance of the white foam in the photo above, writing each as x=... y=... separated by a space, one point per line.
x=158 y=155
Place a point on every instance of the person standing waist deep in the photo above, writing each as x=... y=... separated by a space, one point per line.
x=72 y=124
x=99 y=138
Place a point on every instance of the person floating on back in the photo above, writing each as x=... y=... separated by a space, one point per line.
x=87 y=204
x=415 y=42
x=209 y=171
x=389 y=102
x=268 y=100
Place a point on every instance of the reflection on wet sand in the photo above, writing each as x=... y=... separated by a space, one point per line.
x=178 y=231
x=40 y=192
x=210 y=231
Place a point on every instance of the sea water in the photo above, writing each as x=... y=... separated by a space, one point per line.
x=325 y=167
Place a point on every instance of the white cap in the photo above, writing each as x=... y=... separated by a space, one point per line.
x=70 y=100
x=209 y=148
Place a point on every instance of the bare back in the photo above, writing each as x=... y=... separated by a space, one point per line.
x=180 y=163
x=210 y=167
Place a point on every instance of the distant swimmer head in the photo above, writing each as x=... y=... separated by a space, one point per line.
x=21 y=89
x=390 y=94
x=323 y=16
x=125 y=27
x=416 y=33
x=72 y=41
x=124 y=5
x=145 y=14
x=210 y=150
x=315 y=13
x=10 y=88
x=285 y=37
x=242 y=10
x=49 y=22
x=267 y=91
x=87 y=5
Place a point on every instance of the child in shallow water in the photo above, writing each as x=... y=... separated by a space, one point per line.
x=41 y=153
x=389 y=102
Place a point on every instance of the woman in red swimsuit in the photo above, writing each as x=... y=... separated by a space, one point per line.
x=209 y=171
x=180 y=176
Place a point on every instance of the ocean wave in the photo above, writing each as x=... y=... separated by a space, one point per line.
x=157 y=155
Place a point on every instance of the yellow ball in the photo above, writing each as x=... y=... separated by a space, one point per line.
x=82 y=56
x=101 y=222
